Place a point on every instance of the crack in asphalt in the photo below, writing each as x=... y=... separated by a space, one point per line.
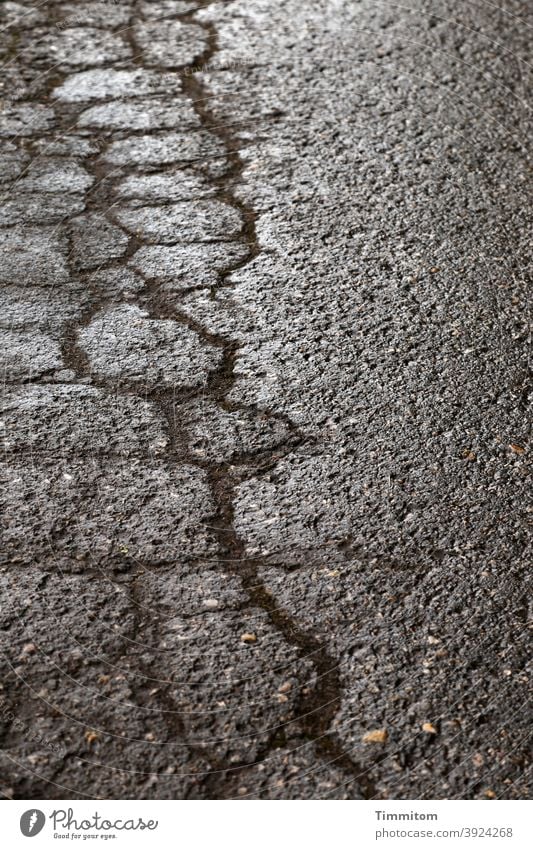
x=387 y=653
x=318 y=705
x=315 y=710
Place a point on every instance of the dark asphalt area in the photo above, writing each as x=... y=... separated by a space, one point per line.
x=264 y=290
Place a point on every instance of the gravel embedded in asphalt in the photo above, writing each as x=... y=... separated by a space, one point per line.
x=264 y=278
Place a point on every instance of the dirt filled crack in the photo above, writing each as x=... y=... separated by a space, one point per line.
x=317 y=708
x=318 y=705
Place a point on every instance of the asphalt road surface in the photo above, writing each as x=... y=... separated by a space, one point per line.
x=264 y=305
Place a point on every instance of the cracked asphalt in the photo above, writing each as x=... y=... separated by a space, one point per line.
x=264 y=284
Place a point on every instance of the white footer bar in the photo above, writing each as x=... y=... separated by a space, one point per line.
x=268 y=825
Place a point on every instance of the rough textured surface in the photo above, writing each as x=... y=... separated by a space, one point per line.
x=126 y=345
x=264 y=352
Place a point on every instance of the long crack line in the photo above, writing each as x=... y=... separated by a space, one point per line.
x=317 y=706
x=315 y=710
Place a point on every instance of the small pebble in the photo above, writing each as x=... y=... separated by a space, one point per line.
x=248 y=638
x=378 y=736
x=91 y=737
